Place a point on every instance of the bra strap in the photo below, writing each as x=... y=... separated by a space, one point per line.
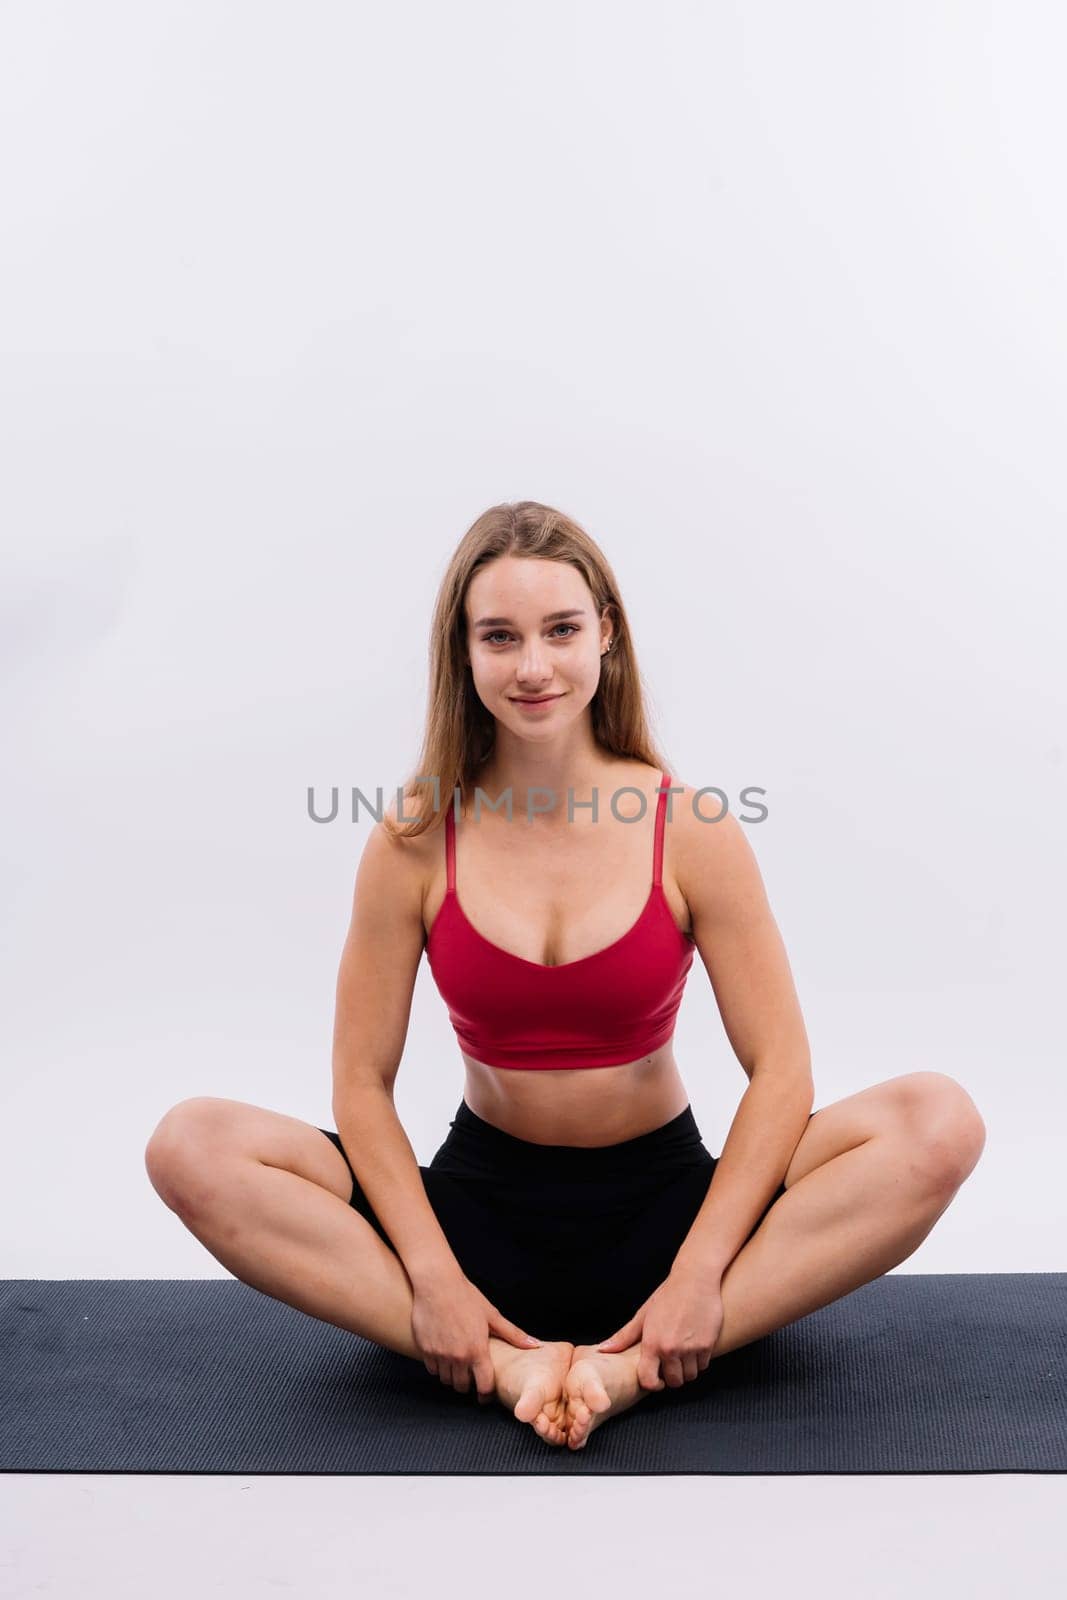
x=661 y=811
x=450 y=850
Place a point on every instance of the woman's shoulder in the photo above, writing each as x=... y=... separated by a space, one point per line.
x=401 y=850
x=706 y=835
x=402 y=862
x=693 y=806
x=633 y=788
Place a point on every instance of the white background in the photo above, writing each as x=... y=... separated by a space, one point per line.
x=768 y=297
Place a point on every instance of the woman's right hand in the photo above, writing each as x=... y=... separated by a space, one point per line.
x=451 y=1321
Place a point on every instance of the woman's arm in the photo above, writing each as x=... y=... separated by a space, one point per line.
x=379 y=964
x=745 y=958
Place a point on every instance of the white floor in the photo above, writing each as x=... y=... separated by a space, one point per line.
x=527 y=1538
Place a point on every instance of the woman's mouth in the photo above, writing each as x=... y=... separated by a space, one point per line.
x=534 y=704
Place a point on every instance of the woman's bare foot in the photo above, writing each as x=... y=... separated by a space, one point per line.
x=598 y=1386
x=530 y=1383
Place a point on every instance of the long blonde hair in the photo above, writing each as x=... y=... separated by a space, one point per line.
x=460 y=732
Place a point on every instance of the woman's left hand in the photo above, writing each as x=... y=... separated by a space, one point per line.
x=678 y=1326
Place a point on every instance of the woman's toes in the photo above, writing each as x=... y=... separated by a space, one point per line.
x=578 y=1419
x=544 y=1427
x=586 y=1387
x=596 y=1396
x=530 y=1402
x=578 y=1432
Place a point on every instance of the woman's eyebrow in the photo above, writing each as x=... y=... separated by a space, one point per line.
x=553 y=616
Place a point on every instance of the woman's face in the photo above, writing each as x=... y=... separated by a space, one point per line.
x=519 y=648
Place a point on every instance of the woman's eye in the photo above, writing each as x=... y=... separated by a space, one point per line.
x=500 y=634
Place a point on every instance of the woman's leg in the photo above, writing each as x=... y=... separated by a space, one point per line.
x=279 y=1219
x=270 y=1197
x=869 y=1179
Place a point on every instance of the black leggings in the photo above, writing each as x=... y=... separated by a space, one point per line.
x=565 y=1241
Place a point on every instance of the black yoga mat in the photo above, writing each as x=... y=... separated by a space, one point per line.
x=915 y=1372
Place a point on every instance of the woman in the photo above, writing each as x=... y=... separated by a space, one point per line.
x=572 y=1197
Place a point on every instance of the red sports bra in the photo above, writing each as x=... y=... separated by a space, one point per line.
x=616 y=1005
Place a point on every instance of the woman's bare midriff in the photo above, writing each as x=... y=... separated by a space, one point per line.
x=585 y=1106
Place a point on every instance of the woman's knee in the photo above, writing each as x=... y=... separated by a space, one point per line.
x=182 y=1157
x=943 y=1121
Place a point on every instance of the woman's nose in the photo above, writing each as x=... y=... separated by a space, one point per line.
x=533 y=664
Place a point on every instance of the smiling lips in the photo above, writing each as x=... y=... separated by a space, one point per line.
x=542 y=700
